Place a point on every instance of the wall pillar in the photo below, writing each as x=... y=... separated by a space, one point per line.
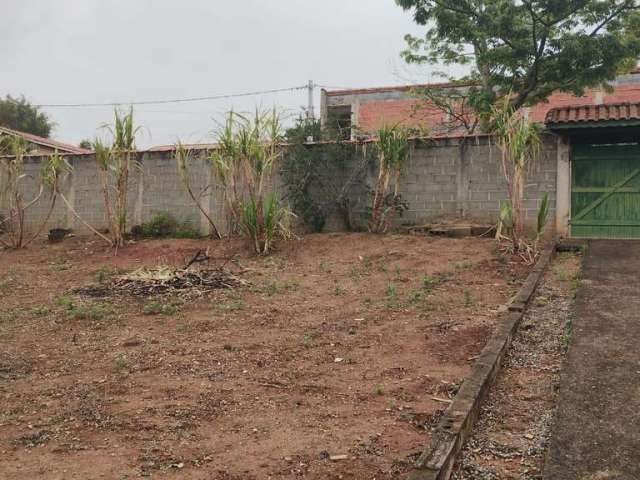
x=563 y=187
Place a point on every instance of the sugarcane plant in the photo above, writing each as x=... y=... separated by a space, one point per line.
x=115 y=163
x=249 y=147
x=13 y=173
x=520 y=149
x=184 y=157
x=392 y=150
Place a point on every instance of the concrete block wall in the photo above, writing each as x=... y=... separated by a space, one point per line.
x=444 y=179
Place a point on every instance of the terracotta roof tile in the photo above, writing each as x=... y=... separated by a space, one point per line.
x=47 y=142
x=594 y=113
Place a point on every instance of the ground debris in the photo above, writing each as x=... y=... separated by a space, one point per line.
x=161 y=280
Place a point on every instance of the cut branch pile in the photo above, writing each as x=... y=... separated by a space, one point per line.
x=163 y=280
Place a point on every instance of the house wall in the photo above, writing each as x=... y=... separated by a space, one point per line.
x=452 y=178
x=376 y=107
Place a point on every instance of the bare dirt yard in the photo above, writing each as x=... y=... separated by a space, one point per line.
x=331 y=359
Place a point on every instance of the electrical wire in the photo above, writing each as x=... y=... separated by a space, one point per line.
x=175 y=100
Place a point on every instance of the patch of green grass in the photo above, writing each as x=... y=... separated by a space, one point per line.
x=157 y=308
x=232 y=306
x=576 y=285
x=560 y=273
x=66 y=301
x=121 y=363
x=567 y=333
x=40 y=310
x=416 y=296
x=468 y=300
x=103 y=274
x=463 y=265
x=273 y=287
x=324 y=266
x=339 y=290
x=392 y=290
x=89 y=312
x=60 y=265
x=429 y=283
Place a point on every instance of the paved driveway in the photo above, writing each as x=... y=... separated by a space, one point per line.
x=597 y=432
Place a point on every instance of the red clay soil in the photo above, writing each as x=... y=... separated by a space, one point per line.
x=332 y=363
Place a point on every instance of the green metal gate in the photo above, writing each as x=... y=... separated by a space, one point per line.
x=605 y=191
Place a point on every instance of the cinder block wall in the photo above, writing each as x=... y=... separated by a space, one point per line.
x=450 y=179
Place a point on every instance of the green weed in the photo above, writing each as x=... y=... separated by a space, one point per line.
x=120 y=364
x=157 y=308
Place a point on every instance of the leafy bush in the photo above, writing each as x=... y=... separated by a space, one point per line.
x=165 y=225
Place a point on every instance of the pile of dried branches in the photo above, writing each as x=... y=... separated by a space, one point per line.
x=162 y=280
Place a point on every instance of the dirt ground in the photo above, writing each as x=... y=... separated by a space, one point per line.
x=333 y=361
x=511 y=438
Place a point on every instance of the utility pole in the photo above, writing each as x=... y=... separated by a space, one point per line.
x=310 y=88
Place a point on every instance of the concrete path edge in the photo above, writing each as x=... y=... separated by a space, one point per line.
x=438 y=458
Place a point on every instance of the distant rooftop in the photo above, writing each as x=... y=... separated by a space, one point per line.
x=48 y=143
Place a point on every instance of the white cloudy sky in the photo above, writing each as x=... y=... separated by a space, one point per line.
x=91 y=51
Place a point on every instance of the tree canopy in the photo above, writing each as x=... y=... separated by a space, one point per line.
x=528 y=48
x=19 y=114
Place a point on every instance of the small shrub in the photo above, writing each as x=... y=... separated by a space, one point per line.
x=91 y=312
x=65 y=301
x=429 y=283
x=165 y=225
x=120 y=364
x=157 y=308
x=338 y=291
x=40 y=311
x=392 y=290
x=467 y=298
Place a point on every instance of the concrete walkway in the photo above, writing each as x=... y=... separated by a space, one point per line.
x=597 y=431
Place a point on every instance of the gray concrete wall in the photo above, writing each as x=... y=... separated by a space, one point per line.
x=446 y=179
x=462 y=179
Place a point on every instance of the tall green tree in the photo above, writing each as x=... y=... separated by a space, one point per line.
x=19 y=114
x=526 y=48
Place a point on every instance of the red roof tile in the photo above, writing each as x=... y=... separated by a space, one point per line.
x=47 y=142
x=594 y=113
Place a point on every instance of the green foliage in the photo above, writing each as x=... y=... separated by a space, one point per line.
x=88 y=312
x=249 y=147
x=117 y=160
x=392 y=149
x=530 y=48
x=19 y=114
x=319 y=177
x=121 y=364
x=165 y=225
x=157 y=308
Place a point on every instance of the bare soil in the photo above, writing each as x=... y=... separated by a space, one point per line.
x=332 y=362
x=511 y=438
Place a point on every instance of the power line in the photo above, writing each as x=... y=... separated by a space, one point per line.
x=175 y=100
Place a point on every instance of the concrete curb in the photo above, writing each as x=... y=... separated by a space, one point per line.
x=437 y=460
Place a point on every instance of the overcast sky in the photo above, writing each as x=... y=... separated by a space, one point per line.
x=91 y=51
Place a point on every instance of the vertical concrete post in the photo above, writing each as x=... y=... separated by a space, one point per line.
x=355 y=118
x=137 y=208
x=462 y=178
x=563 y=187
x=205 y=226
x=70 y=220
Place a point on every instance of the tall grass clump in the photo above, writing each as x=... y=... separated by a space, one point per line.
x=249 y=148
x=392 y=150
